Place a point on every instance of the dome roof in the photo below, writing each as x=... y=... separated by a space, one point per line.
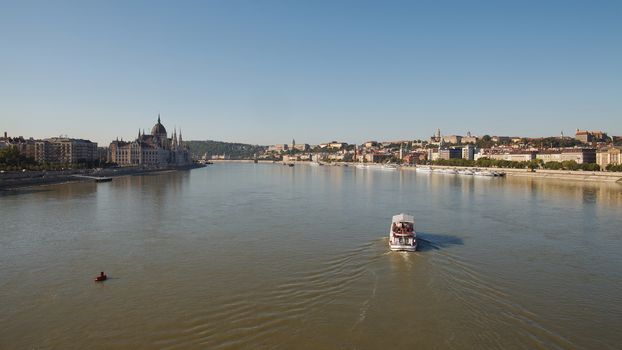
x=158 y=128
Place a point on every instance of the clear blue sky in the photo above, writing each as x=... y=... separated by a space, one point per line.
x=265 y=71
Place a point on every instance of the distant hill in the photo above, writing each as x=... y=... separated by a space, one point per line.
x=232 y=150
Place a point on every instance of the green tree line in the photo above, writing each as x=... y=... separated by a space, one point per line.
x=233 y=150
x=12 y=159
x=533 y=164
x=612 y=167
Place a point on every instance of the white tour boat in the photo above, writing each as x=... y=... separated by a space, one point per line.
x=424 y=169
x=402 y=235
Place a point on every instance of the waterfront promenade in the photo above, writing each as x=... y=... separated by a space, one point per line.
x=16 y=179
x=579 y=175
x=599 y=176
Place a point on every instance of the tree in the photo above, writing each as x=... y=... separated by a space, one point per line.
x=612 y=167
x=534 y=164
x=589 y=167
x=11 y=157
x=570 y=165
x=485 y=142
x=553 y=165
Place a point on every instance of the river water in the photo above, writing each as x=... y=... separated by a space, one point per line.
x=267 y=256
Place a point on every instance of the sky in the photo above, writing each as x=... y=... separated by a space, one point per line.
x=267 y=71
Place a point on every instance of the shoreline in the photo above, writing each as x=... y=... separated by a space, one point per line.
x=583 y=176
x=17 y=180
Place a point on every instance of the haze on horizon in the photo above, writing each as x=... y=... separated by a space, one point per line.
x=264 y=72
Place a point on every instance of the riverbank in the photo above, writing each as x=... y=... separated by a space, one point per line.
x=589 y=176
x=11 y=180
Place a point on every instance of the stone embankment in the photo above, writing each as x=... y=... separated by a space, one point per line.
x=602 y=176
x=15 y=179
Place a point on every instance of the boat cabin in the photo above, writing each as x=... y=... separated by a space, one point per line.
x=402 y=235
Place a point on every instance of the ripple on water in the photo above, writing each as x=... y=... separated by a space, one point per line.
x=260 y=316
x=488 y=306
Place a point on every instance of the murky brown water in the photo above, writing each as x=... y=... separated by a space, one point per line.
x=266 y=256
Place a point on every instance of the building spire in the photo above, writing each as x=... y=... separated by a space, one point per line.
x=174 y=139
x=158 y=118
x=180 y=145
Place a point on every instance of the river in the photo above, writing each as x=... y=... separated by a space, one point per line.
x=267 y=256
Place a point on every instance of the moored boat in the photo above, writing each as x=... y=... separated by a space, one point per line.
x=389 y=167
x=448 y=171
x=402 y=235
x=465 y=172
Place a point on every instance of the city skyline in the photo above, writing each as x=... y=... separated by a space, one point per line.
x=262 y=73
x=437 y=133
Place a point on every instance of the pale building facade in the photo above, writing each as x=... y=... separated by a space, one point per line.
x=151 y=150
x=579 y=155
x=57 y=150
x=278 y=147
x=611 y=155
x=509 y=155
x=468 y=152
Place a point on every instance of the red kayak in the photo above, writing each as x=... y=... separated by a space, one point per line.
x=102 y=277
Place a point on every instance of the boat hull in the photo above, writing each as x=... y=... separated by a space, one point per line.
x=403 y=248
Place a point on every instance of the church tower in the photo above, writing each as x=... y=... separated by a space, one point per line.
x=174 y=139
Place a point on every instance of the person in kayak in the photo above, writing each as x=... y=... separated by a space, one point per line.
x=102 y=277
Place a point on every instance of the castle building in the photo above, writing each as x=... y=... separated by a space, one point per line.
x=151 y=150
x=436 y=138
x=590 y=136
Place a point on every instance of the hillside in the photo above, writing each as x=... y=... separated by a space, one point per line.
x=232 y=150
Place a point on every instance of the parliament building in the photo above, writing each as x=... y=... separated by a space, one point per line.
x=151 y=150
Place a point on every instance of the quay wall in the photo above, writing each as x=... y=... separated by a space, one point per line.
x=603 y=176
x=18 y=179
x=549 y=174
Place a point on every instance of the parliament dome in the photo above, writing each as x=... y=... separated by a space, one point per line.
x=158 y=129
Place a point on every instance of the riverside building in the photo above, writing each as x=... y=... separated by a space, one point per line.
x=607 y=156
x=56 y=150
x=151 y=150
x=579 y=155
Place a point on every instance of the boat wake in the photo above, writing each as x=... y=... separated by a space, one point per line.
x=301 y=299
x=473 y=290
